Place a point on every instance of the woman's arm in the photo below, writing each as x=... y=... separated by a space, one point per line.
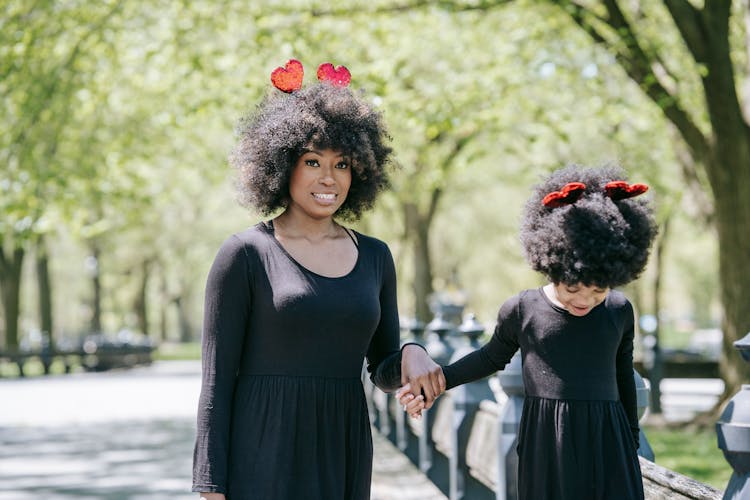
x=226 y=311
x=212 y=496
x=389 y=366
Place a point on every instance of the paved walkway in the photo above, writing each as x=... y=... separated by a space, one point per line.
x=395 y=477
x=128 y=435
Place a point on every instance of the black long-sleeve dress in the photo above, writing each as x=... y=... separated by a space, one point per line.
x=282 y=413
x=578 y=433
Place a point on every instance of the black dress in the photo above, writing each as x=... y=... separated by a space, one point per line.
x=578 y=434
x=282 y=413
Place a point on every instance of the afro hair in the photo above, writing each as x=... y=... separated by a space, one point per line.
x=595 y=240
x=272 y=138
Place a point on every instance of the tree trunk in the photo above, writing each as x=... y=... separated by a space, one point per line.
x=186 y=333
x=417 y=232
x=140 y=302
x=163 y=304
x=656 y=369
x=10 y=282
x=44 y=285
x=733 y=227
x=96 y=306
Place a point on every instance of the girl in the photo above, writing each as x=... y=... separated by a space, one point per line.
x=578 y=436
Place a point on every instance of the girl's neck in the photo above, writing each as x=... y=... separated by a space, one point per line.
x=549 y=291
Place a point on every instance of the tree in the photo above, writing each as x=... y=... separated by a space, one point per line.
x=715 y=132
x=689 y=59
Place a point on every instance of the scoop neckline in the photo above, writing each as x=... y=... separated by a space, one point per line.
x=270 y=231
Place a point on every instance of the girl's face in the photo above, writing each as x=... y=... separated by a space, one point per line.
x=319 y=182
x=579 y=299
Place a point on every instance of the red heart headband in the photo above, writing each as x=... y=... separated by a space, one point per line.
x=572 y=191
x=619 y=190
x=289 y=78
x=568 y=195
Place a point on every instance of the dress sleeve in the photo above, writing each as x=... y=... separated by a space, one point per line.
x=625 y=379
x=492 y=356
x=383 y=354
x=226 y=311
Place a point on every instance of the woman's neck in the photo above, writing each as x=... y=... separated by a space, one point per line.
x=291 y=225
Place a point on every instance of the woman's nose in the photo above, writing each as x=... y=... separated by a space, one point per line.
x=326 y=177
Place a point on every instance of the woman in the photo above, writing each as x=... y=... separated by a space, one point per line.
x=295 y=304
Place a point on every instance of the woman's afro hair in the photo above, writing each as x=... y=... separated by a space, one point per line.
x=595 y=241
x=272 y=138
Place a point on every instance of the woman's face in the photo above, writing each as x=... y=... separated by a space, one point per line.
x=579 y=299
x=319 y=182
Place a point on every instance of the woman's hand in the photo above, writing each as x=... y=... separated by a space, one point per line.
x=421 y=373
x=212 y=496
x=413 y=405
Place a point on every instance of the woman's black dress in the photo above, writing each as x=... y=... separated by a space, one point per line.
x=578 y=434
x=282 y=413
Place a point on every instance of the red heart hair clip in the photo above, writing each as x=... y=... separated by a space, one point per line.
x=289 y=78
x=620 y=190
x=338 y=77
x=568 y=195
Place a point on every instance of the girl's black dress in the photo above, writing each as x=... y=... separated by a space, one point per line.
x=282 y=413
x=578 y=434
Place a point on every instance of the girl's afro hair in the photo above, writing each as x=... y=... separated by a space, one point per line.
x=272 y=139
x=595 y=241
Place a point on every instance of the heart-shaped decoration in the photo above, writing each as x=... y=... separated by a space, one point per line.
x=289 y=78
x=568 y=195
x=338 y=77
x=620 y=190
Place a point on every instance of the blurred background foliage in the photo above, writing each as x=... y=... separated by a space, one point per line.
x=117 y=118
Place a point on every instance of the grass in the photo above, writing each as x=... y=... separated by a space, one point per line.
x=178 y=351
x=33 y=366
x=692 y=453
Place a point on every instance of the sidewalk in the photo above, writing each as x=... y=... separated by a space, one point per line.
x=394 y=477
x=128 y=435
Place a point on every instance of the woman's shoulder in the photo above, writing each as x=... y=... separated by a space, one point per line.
x=248 y=241
x=370 y=242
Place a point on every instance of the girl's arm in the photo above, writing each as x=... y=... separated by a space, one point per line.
x=624 y=367
x=494 y=355
x=226 y=311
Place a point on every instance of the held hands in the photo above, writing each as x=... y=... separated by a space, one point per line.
x=413 y=405
x=422 y=375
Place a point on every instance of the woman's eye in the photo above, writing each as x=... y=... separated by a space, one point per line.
x=342 y=164
x=311 y=163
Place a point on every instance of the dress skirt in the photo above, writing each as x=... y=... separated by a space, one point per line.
x=300 y=438
x=565 y=447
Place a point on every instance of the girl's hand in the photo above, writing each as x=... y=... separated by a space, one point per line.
x=413 y=405
x=212 y=496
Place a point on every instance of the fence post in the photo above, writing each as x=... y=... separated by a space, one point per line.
x=733 y=433
x=511 y=381
x=642 y=398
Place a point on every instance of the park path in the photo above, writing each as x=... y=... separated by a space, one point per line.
x=128 y=435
